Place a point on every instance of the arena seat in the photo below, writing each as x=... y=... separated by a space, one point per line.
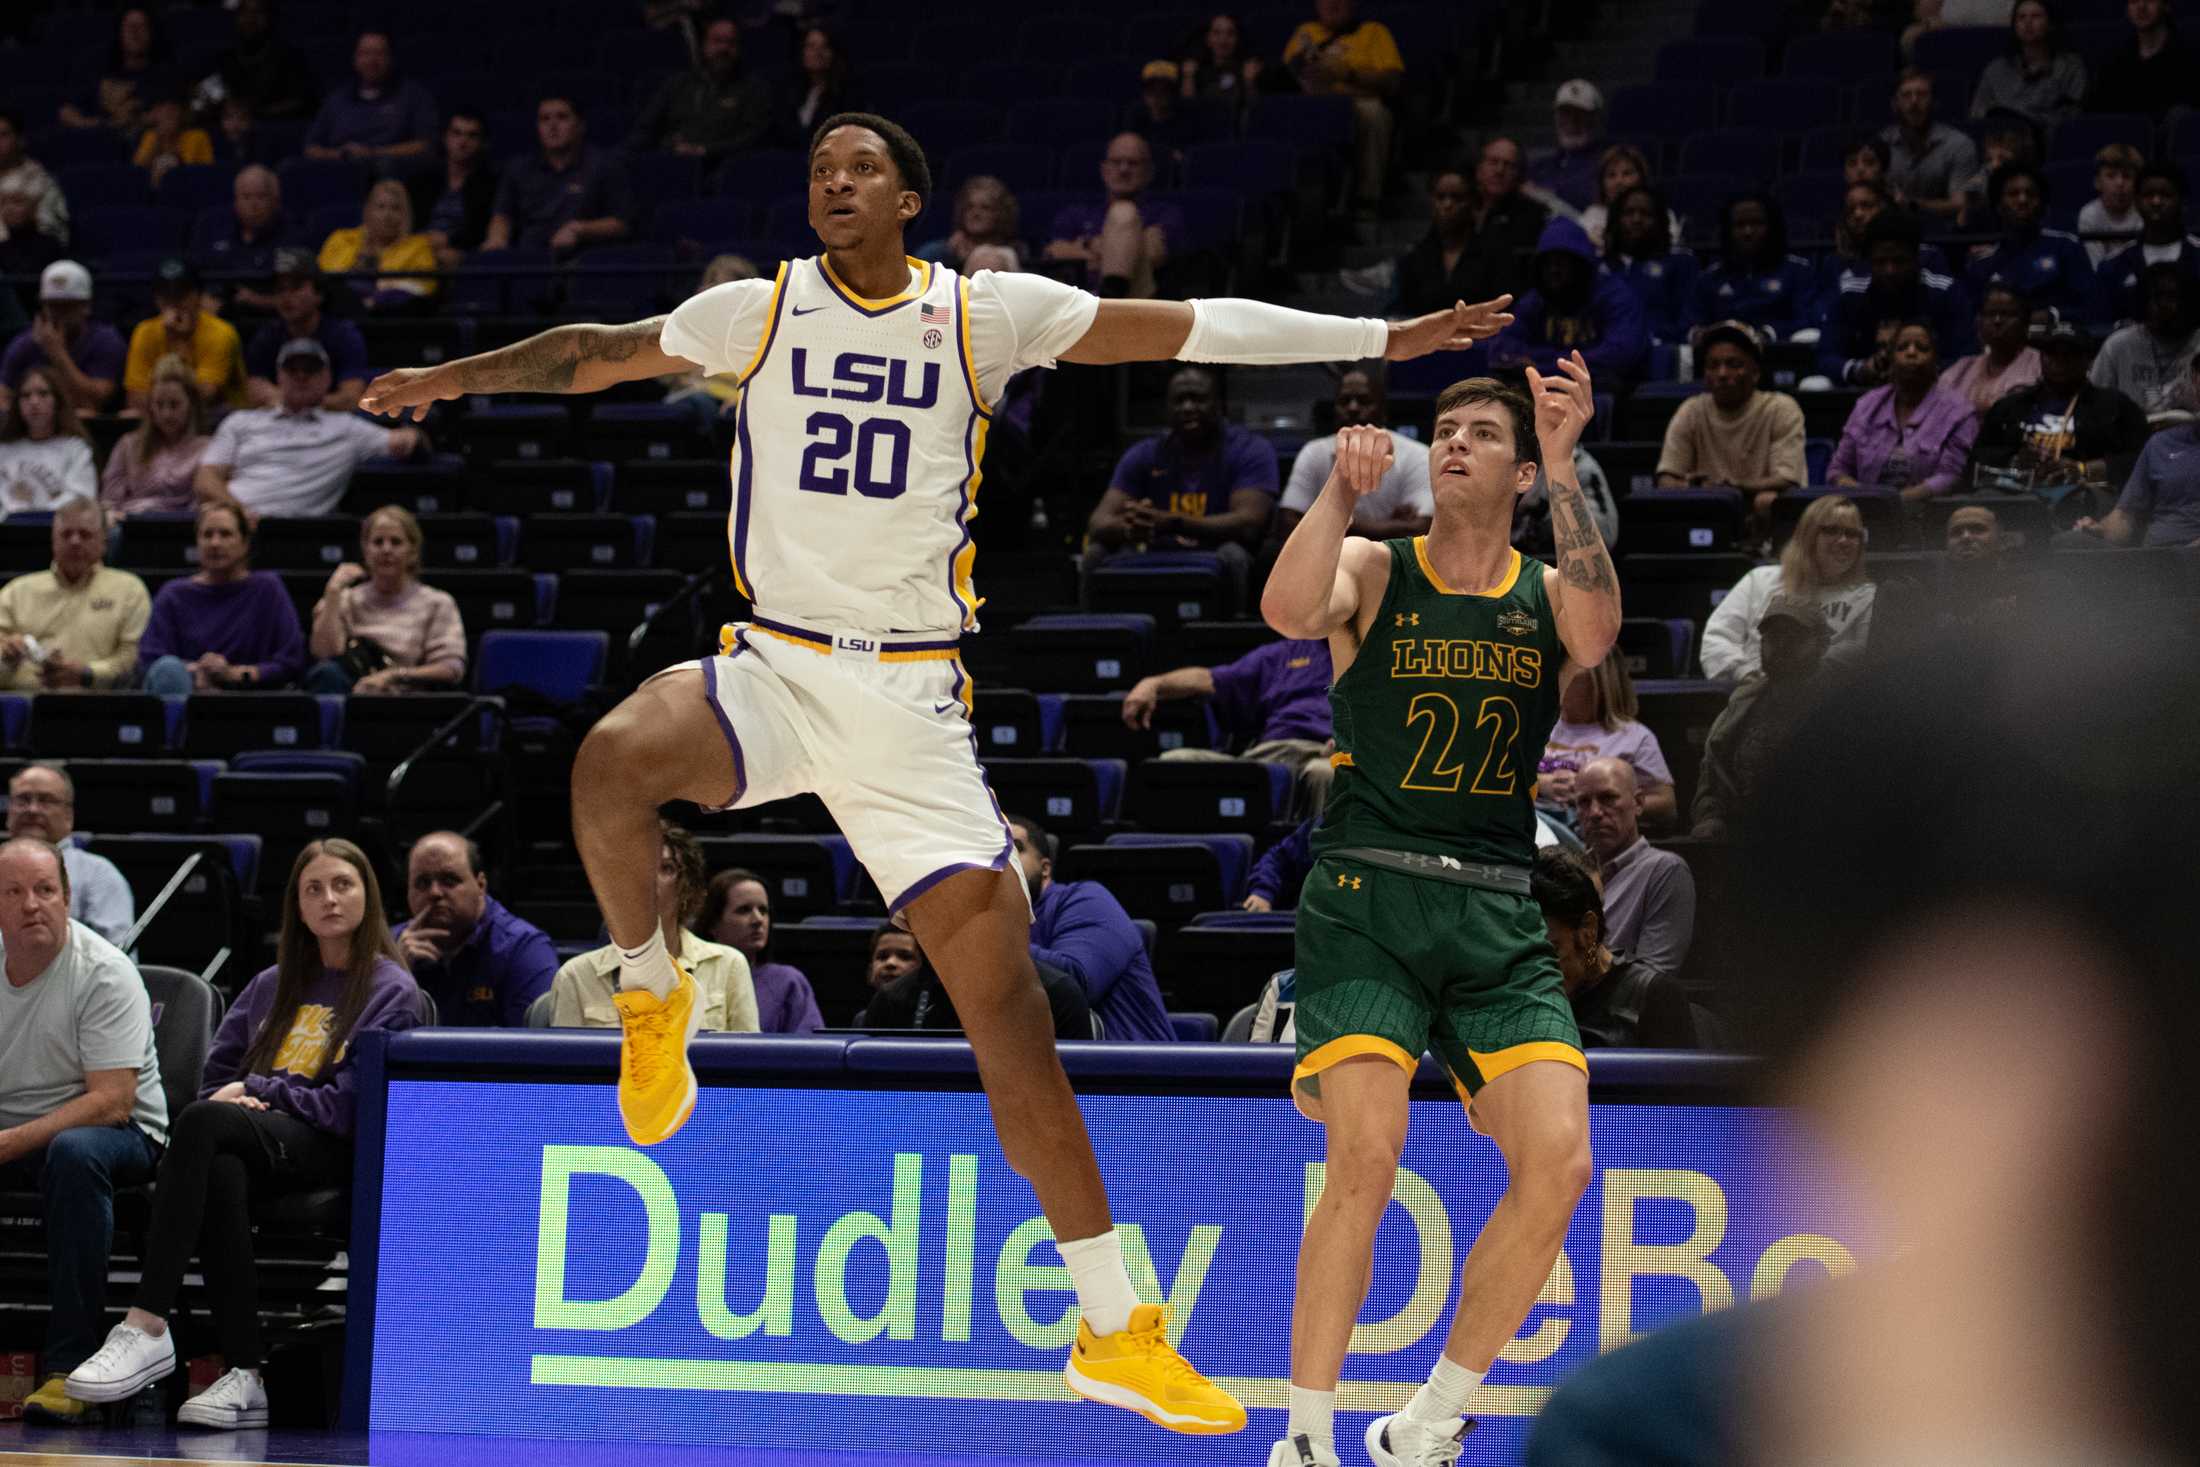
x=26 y=542
x=207 y=914
x=1232 y=852
x=834 y=955
x=1654 y=113
x=1680 y=713
x=1679 y=585
x=1195 y=1028
x=467 y=541
x=561 y=542
x=561 y=666
x=1093 y=727
x=305 y=542
x=1170 y=587
x=107 y=228
x=1021 y=165
x=497 y=600
x=1746 y=156
x=670 y=486
x=1006 y=724
x=1053 y=121
x=1201 y=795
x=1222 y=968
x=693 y=541
x=1645 y=415
x=622 y=431
x=309 y=183
x=1071 y=797
x=525 y=486
x=286 y=811
x=504 y=430
x=1082 y=652
x=807 y=874
x=1658 y=648
x=1886 y=521
x=1212 y=643
x=1680 y=521
x=217 y=725
x=1630 y=467
x=437 y=486
x=1167 y=881
x=1844 y=56
x=102 y=725
x=2077 y=139
x=160 y=796
x=1696 y=59
x=195 y=186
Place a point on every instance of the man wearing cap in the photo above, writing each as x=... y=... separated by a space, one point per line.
x=2062 y=432
x=714 y=110
x=1338 y=53
x=1571 y=170
x=1158 y=115
x=2160 y=504
x=86 y=355
x=1734 y=433
x=1764 y=707
x=185 y=328
x=295 y=457
x=298 y=307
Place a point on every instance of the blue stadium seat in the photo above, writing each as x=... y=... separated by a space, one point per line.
x=1171 y=588
x=1204 y=795
x=342 y=764
x=1080 y=652
x=1844 y=56
x=102 y=725
x=1657 y=648
x=561 y=666
x=704 y=221
x=1020 y=165
x=1165 y=880
x=1658 y=111
x=305 y=542
x=435 y=485
x=1696 y=59
x=1739 y=18
x=647 y=56
x=106 y=229
x=669 y=486
x=494 y=599
x=1009 y=82
x=1195 y=1028
x=309 y=183
x=1052 y=34
x=964 y=120
x=1743 y=155
x=1681 y=521
x=1687 y=586
x=196 y=186
x=286 y=811
x=222 y=725
x=463 y=541
x=560 y=542
x=1214 y=218
x=1681 y=713
x=619 y=282
x=501 y=430
x=73 y=147
x=103 y=185
x=156 y=542
x=614 y=601
x=328 y=218
x=807 y=874
x=1257 y=168
x=1885 y=523
x=1007 y=724
x=1052 y=121
x=168 y=796
x=523 y=486
x=2077 y=139
x=480 y=287
x=1961 y=50
x=619 y=431
x=1071 y=797
x=1093 y=727
x=1302 y=121
x=1788 y=105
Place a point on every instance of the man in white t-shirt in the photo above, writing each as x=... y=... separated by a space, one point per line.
x=1402 y=505
x=866 y=387
x=297 y=457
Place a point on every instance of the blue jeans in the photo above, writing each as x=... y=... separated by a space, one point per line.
x=78 y=1172
x=170 y=674
x=327 y=676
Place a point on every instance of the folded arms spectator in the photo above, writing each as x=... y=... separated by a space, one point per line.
x=1822 y=568
x=564 y=197
x=228 y=625
x=482 y=965
x=376 y=628
x=584 y=995
x=296 y=457
x=153 y=468
x=77 y=624
x=378 y=116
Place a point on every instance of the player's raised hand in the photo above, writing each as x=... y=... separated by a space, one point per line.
x=1564 y=404
x=1453 y=330
x=1363 y=457
x=410 y=390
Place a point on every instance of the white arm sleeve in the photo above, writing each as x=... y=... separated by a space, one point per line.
x=719 y=329
x=1228 y=329
x=1019 y=321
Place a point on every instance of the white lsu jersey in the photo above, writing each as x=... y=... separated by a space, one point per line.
x=859 y=431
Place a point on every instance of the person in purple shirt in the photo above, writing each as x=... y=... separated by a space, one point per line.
x=86 y=355
x=737 y=911
x=1204 y=485
x=377 y=117
x=1912 y=434
x=482 y=965
x=228 y=626
x=1080 y=928
x=1272 y=705
x=1281 y=871
x=1124 y=238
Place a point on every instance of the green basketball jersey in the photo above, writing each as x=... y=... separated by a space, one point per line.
x=1442 y=717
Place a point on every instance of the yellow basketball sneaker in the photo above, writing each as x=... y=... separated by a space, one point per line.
x=1139 y=1370
x=656 y=1086
x=51 y=1404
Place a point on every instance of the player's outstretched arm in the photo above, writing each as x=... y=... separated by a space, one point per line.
x=1228 y=329
x=1315 y=587
x=1584 y=589
x=580 y=358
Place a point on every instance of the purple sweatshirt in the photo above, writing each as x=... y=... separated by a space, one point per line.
x=1081 y=928
x=248 y=621
x=785 y=1002
x=303 y=1081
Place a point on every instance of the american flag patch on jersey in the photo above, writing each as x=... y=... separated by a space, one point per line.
x=934 y=315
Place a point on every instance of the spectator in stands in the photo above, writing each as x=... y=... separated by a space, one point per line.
x=182 y=326
x=2063 y=433
x=1508 y=221
x=712 y=111
x=2039 y=75
x=1222 y=64
x=1911 y=435
x=1281 y=870
x=1125 y=237
x=584 y=995
x=481 y=964
x=1856 y=337
x=153 y=468
x=239 y=139
x=1531 y=527
x=2004 y=361
x=18 y=169
x=458 y=202
x=1620 y=1000
x=376 y=628
x=1755 y=279
x=985 y=213
x=1649 y=895
x=1791 y=637
x=84 y=355
x=300 y=301
x=1821 y=566
x=894 y=955
x=1734 y=433
x=2110 y=219
x=737 y=911
x=261 y=69
x=711 y=397
x=227 y=625
x=1639 y=250
x=1453 y=261
x=822 y=88
x=1622 y=169
x=1157 y=113
x=565 y=197
x=296 y=457
x=45 y=454
x=77 y=624
x=2162 y=241
x=1402 y=504
x=2152 y=72
x=2160 y=504
x=1597 y=720
x=82 y=1112
x=113 y=96
x=168 y=140
x=2150 y=361
x=2049 y=266
x=1338 y=53
x=1575 y=308
x=1861 y=203
x=1927 y=161
x=1272 y=704
x=379 y=117
x=245 y=240
x=42 y=806
x=1206 y=484
x=1865 y=161
x=383 y=240
x=906 y=992
x=1573 y=170
x=25 y=249
x=1080 y=928
x=1973 y=533
x=275 y=1114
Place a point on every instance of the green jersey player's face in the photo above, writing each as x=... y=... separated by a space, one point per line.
x=1472 y=455
x=856 y=192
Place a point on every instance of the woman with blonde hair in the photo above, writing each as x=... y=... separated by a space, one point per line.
x=384 y=240
x=45 y=454
x=376 y=628
x=152 y=467
x=274 y=1114
x=1596 y=720
x=986 y=213
x=1823 y=562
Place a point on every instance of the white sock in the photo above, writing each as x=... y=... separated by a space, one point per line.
x=1444 y=1396
x=648 y=966
x=1104 y=1293
x=1313 y=1416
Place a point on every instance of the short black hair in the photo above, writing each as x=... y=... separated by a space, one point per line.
x=2017 y=168
x=916 y=174
x=1564 y=884
x=1874 y=145
x=2163 y=169
x=567 y=98
x=1894 y=226
x=1775 y=246
x=1034 y=833
x=471 y=113
x=13 y=117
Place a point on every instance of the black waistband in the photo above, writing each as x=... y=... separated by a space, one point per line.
x=1512 y=880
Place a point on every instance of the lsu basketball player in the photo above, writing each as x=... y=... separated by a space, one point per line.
x=866 y=380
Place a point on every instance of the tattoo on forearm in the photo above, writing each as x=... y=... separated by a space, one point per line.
x=550 y=361
x=1583 y=562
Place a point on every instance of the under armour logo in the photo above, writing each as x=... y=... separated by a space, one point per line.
x=1408 y=618
x=1344 y=882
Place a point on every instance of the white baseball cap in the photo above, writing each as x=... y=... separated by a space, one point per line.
x=1580 y=93
x=65 y=280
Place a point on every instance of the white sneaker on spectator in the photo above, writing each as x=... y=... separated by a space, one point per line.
x=130 y=1361
x=1401 y=1441
x=237 y=1400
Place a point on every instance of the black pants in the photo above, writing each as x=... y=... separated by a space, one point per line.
x=218 y=1154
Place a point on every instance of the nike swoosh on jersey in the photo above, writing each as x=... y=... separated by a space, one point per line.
x=804 y=310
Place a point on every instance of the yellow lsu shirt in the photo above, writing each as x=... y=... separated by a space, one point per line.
x=216 y=357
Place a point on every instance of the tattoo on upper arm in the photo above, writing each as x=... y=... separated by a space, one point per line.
x=550 y=361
